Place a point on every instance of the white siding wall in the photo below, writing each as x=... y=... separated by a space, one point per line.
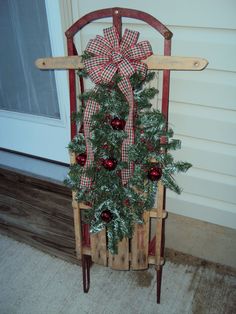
x=202 y=104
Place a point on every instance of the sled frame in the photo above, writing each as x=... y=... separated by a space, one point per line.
x=140 y=251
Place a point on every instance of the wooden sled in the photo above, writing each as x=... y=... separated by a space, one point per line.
x=141 y=250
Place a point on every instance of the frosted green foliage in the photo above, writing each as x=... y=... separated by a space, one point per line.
x=125 y=203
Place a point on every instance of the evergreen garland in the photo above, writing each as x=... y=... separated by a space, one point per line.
x=153 y=141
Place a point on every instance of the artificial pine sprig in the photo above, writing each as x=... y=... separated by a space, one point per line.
x=126 y=204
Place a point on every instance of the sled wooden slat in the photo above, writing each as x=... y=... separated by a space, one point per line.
x=120 y=261
x=154 y=62
x=99 y=247
x=139 y=244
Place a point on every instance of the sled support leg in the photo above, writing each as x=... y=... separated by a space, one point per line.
x=159 y=278
x=86 y=264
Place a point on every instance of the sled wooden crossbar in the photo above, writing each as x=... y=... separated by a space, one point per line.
x=154 y=62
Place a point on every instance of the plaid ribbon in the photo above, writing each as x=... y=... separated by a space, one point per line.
x=110 y=56
x=91 y=108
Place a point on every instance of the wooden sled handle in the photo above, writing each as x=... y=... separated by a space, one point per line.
x=154 y=62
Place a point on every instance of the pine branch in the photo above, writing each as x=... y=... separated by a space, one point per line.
x=125 y=203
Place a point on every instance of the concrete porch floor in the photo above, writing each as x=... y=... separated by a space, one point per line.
x=33 y=282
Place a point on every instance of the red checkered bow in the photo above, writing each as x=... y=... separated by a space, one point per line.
x=110 y=56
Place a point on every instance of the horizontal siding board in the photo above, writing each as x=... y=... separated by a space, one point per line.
x=207 y=88
x=208 y=155
x=209 y=184
x=217 y=14
x=201 y=208
x=206 y=123
x=218 y=46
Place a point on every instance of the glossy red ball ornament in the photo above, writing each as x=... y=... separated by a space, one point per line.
x=81 y=159
x=155 y=173
x=106 y=216
x=118 y=124
x=109 y=164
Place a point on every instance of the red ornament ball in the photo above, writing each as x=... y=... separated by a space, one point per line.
x=118 y=124
x=155 y=173
x=109 y=164
x=81 y=159
x=106 y=216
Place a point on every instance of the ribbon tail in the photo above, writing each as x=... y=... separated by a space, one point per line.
x=91 y=108
x=126 y=88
